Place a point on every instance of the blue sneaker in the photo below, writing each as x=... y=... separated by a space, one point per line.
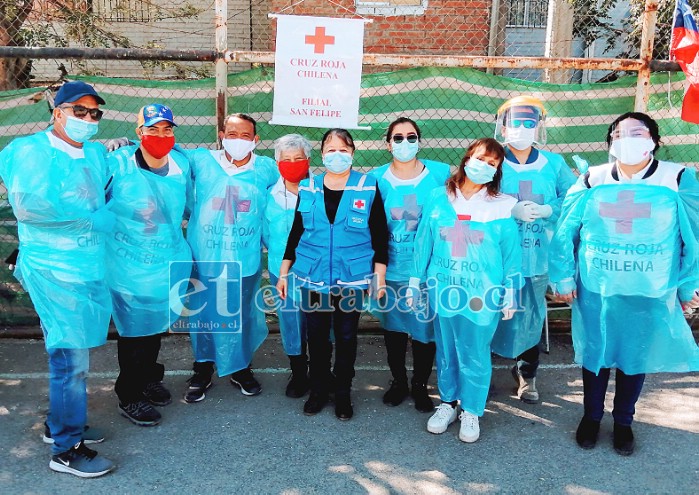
x=90 y=435
x=81 y=461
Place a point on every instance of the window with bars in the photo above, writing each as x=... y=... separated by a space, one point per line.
x=527 y=13
x=125 y=10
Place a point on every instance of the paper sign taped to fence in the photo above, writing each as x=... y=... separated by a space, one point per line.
x=318 y=71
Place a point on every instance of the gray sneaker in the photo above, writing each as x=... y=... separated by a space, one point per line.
x=81 y=461
x=526 y=387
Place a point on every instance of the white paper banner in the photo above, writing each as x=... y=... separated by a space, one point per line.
x=318 y=71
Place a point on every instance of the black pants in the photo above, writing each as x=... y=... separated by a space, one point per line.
x=344 y=323
x=138 y=366
x=423 y=357
x=529 y=362
x=628 y=390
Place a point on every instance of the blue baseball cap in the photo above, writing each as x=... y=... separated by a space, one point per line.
x=74 y=90
x=152 y=114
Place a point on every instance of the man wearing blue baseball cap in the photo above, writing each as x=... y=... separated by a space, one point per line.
x=55 y=183
x=146 y=250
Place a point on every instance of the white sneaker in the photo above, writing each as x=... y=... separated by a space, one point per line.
x=469 y=431
x=441 y=419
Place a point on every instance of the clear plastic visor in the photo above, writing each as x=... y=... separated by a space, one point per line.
x=520 y=122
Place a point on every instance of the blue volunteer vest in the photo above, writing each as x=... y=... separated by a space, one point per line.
x=337 y=254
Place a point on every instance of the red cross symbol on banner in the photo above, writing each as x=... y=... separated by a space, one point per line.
x=319 y=40
x=624 y=211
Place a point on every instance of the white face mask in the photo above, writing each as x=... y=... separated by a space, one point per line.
x=238 y=148
x=520 y=138
x=632 y=150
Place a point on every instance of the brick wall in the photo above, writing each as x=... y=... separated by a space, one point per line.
x=458 y=27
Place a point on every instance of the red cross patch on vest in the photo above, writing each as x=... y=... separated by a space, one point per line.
x=359 y=204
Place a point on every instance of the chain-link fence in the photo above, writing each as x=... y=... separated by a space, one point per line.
x=452 y=106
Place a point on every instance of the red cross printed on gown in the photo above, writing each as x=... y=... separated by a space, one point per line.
x=359 y=204
x=460 y=236
x=319 y=40
x=526 y=192
x=625 y=211
x=410 y=212
x=150 y=216
x=230 y=204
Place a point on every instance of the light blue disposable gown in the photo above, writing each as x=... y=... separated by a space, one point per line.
x=545 y=179
x=467 y=265
x=61 y=257
x=279 y=217
x=147 y=253
x=226 y=226
x=404 y=203
x=631 y=248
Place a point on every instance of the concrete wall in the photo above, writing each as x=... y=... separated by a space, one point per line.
x=191 y=33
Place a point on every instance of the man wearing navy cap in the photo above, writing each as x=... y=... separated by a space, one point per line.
x=148 y=196
x=55 y=183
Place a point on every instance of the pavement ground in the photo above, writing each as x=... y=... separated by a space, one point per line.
x=234 y=444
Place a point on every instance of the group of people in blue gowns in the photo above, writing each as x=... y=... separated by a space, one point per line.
x=161 y=238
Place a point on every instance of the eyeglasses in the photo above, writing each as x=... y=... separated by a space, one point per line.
x=637 y=131
x=526 y=123
x=81 y=112
x=398 y=138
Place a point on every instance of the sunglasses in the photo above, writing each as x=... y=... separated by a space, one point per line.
x=526 y=123
x=398 y=138
x=81 y=112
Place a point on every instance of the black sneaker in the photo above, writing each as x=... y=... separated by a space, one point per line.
x=343 y=406
x=140 y=413
x=298 y=386
x=199 y=383
x=90 y=435
x=315 y=403
x=81 y=461
x=245 y=381
x=157 y=394
x=421 y=398
x=624 y=442
x=396 y=394
x=587 y=433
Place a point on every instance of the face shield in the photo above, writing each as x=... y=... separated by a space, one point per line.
x=631 y=144
x=521 y=123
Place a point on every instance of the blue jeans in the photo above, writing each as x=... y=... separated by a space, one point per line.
x=628 y=390
x=67 y=396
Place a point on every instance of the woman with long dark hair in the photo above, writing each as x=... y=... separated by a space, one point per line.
x=405 y=183
x=467 y=251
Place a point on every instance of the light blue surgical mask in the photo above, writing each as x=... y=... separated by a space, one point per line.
x=479 y=172
x=337 y=161
x=405 y=150
x=80 y=130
